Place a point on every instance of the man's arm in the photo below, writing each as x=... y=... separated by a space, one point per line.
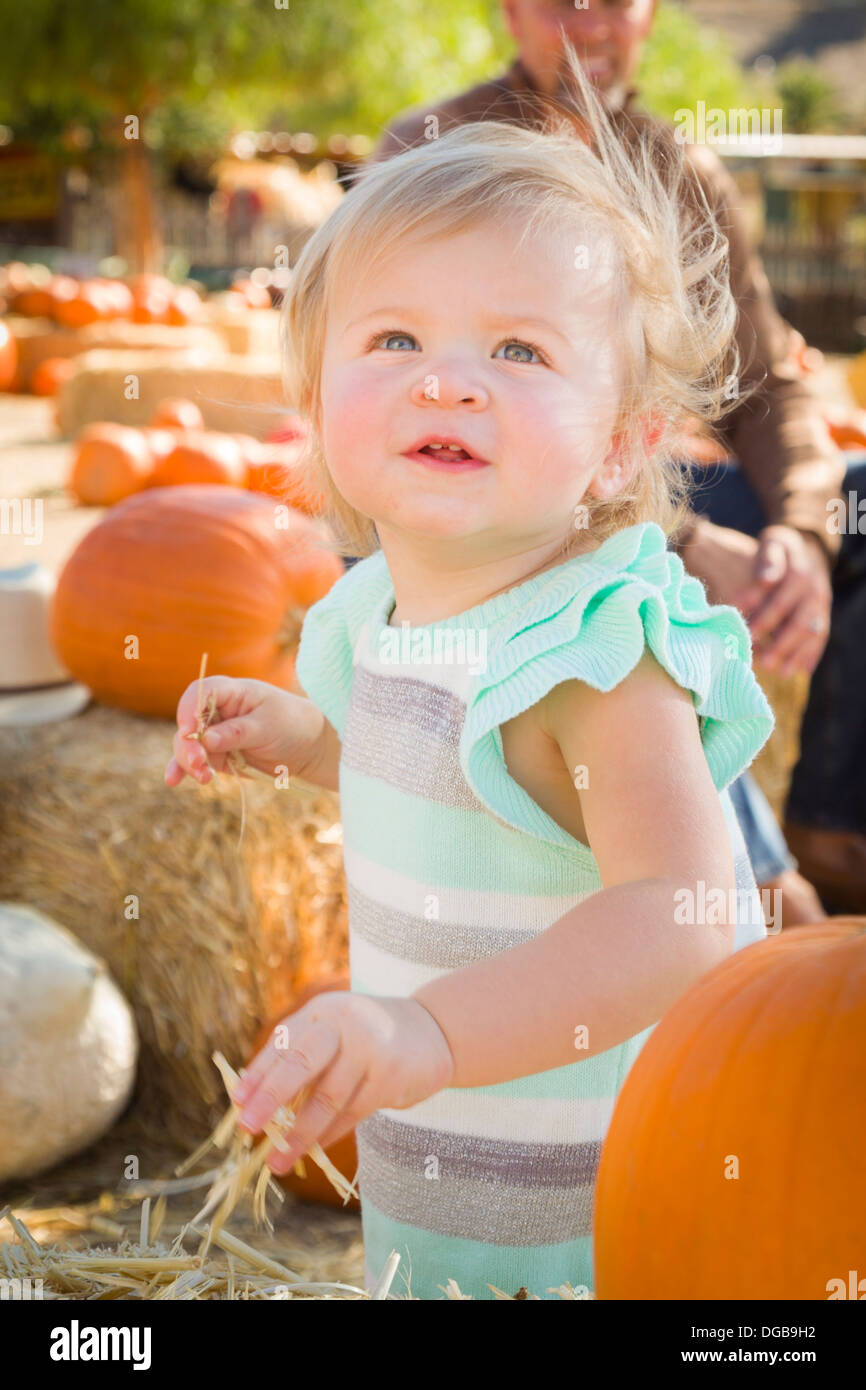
x=777 y=435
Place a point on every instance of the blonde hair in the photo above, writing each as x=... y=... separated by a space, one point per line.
x=671 y=294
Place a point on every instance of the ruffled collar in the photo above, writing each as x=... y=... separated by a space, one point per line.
x=643 y=541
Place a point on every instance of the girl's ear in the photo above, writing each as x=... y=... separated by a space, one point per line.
x=614 y=473
x=612 y=476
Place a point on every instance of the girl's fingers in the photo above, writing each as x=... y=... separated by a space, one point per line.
x=313 y=1046
x=326 y=1110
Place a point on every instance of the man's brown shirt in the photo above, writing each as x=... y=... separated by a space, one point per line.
x=777 y=435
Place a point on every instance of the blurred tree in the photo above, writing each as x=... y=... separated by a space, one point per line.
x=684 y=63
x=808 y=99
x=138 y=81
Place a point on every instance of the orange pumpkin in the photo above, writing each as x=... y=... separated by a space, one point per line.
x=250 y=448
x=733 y=1165
x=51 y=373
x=119 y=297
x=177 y=571
x=110 y=462
x=61 y=290
x=177 y=413
x=8 y=358
x=202 y=456
x=315 y=1187
x=847 y=428
x=152 y=308
x=148 y=283
x=256 y=296
x=89 y=305
x=160 y=442
x=278 y=472
x=34 y=304
x=184 y=307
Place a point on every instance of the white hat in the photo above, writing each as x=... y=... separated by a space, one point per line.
x=34 y=687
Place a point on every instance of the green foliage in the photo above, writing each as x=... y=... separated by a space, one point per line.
x=807 y=98
x=684 y=63
x=194 y=70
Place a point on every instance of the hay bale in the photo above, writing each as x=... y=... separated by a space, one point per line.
x=39 y=339
x=235 y=394
x=225 y=935
x=772 y=768
x=250 y=331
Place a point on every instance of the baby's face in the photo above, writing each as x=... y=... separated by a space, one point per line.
x=510 y=353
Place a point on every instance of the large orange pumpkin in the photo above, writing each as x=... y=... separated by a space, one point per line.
x=110 y=462
x=177 y=571
x=8 y=358
x=733 y=1166
x=202 y=456
x=315 y=1187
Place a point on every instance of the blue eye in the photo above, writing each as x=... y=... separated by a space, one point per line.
x=525 y=347
x=381 y=338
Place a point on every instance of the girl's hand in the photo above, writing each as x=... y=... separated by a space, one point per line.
x=270 y=727
x=357 y=1053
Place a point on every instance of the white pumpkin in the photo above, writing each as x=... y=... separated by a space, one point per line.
x=68 y=1044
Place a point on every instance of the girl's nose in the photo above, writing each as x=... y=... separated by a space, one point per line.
x=451 y=386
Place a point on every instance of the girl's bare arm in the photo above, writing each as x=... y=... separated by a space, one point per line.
x=323 y=767
x=611 y=966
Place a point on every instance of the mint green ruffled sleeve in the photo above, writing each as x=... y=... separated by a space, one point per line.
x=591 y=619
x=330 y=630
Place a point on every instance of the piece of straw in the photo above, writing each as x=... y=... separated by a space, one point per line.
x=235 y=761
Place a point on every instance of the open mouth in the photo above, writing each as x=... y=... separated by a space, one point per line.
x=444 y=454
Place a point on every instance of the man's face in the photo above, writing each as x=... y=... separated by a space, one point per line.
x=607 y=34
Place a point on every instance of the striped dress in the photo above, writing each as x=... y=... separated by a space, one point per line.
x=448 y=860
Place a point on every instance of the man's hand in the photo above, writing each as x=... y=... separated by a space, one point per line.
x=780 y=583
x=787 y=604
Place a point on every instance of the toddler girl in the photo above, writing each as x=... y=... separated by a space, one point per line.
x=529 y=710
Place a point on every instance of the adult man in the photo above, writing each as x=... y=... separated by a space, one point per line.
x=788 y=469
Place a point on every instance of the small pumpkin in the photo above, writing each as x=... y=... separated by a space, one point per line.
x=8 y=357
x=61 y=290
x=256 y=296
x=51 y=373
x=186 y=570
x=315 y=1187
x=847 y=428
x=277 y=471
x=110 y=463
x=733 y=1164
x=160 y=442
x=184 y=307
x=89 y=305
x=177 y=413
x=202 y=456
x=152 y=308
x=34 y=304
